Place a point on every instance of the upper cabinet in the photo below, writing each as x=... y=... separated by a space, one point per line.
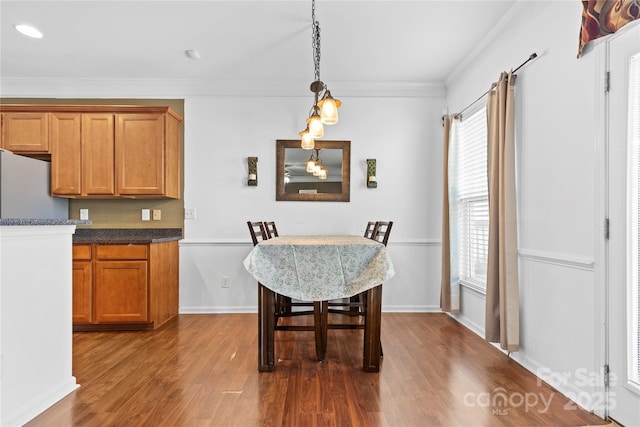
x=107 y=151
x=82 y=154
x=26 y=132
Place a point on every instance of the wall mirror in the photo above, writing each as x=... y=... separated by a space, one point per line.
x=294 y=183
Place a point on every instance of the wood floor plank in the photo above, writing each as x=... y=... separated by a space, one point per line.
x=202 y=370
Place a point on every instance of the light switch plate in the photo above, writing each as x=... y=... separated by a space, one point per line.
x=157 y=214
x=84 y=214
x=146 y=215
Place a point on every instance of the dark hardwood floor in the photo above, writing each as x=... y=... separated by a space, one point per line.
x=201 y=370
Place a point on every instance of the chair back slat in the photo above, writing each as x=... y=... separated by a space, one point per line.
x=368 y=232
x=270 y=228
x=257 y=230
x=381 y=231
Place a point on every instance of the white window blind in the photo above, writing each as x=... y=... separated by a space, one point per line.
x=633 y=247
x=473 y=199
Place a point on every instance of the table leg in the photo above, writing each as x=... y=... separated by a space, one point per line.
x=320 y=318
x=372 y=322
x=266 y=325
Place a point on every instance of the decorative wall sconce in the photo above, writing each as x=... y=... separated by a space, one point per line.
x=253 y=171
x=371 y=174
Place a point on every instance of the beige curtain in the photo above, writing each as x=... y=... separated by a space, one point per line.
x=449 y=283
x=502 y=317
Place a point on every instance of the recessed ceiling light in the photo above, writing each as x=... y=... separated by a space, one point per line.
x=28 y=30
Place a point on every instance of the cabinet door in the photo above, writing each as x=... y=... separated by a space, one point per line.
x=121 y=291
x=65 y=154
x=26 y=132
x=82 y=292
x=140 y=154
x=98 y=154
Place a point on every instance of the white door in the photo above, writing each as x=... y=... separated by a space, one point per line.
x=623 y=256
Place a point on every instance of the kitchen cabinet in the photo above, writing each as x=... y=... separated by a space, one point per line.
x=82 y=154
x=26 y=132
x=134 y=286
x=100 y=151
x=121 y=284
x=141 y=161
x=82 y=279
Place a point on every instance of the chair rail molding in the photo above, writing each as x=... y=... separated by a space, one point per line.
x=561 y=260
x=246 y=242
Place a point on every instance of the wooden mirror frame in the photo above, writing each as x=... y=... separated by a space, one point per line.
x=281 y=195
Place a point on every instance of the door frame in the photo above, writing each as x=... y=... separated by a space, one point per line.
x=602 y=197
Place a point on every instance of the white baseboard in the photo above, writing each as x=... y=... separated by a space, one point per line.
x=29 y=410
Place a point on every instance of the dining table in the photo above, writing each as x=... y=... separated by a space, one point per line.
x=319 y=268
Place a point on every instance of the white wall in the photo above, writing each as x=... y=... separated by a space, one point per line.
x=558 y=131
x=403 y=133
x=35 y=337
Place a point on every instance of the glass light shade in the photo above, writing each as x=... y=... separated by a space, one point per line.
x=329 y=109
x=307 y=142
x=323 y=174
x=316 y=170
x=311 y=165
x=315 y=126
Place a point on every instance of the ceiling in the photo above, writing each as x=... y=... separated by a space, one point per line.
x=244 y=41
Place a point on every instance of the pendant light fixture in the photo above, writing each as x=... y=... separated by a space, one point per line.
x=315 y=166
x=307 y=141
x=325 y=107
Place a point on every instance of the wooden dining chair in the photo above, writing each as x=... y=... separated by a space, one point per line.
x=271 y=229
x=258 y=232
x=357 y=306
x=281 y=304
x=368 y=231
x=382 y=231
x=354 y=307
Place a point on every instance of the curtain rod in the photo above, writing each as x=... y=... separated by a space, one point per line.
x=531 y=57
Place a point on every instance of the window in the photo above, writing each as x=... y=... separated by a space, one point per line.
x=472 y=199
x=633 y=245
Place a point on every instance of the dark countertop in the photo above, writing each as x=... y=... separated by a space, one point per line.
x=31 y=221
x=126 y=235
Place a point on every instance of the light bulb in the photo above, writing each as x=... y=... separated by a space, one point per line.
x=329 y=109
x=315 y=126
x=311 y=165
x=307 y=142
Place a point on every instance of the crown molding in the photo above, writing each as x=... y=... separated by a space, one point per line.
x=516 y=18
x=180 y=88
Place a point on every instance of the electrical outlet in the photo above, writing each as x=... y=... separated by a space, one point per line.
x=225 y=281
x=190 y=213
x=157 y=214
x=146 y=214
x=84 y=214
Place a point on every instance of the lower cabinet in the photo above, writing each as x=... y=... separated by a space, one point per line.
x=124 y=286
x=82 y=284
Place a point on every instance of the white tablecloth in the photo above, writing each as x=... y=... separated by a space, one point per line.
x=319 y=268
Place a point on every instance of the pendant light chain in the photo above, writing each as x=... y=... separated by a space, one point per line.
x=325 y=107
x=315 y=41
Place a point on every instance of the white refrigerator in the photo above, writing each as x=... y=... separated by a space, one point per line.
x=25 y=189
